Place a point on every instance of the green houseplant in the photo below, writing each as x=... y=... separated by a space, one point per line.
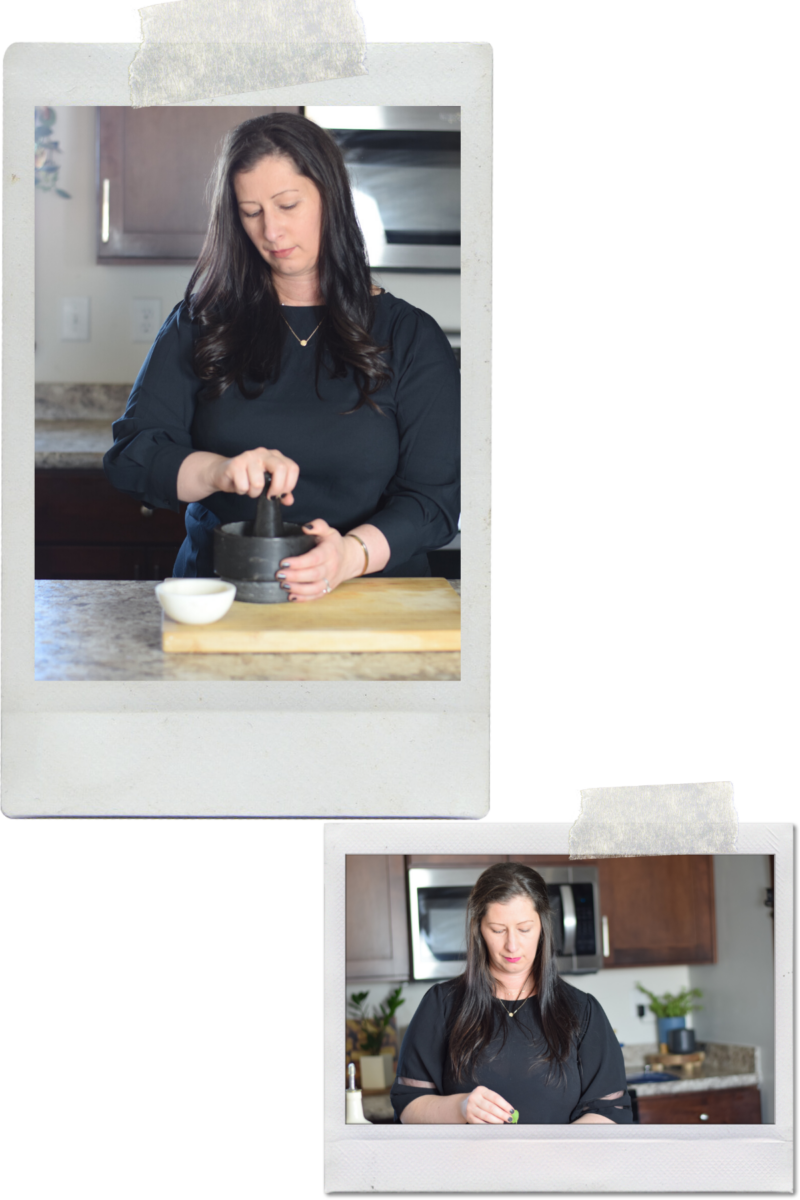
x=669 y=1005
x=671 y=1009
x=375 y=1067
x=46 y=168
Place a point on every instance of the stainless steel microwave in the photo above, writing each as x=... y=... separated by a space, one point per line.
x=404 y=165
x=438 y=911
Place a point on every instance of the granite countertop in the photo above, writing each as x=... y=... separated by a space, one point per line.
x=725 y=1066
x=97 y=630
x=378 y=1107
x=73 y=423
x=71 y=443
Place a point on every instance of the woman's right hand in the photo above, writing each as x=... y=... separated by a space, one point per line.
x=484 y=1107
x=244 y=474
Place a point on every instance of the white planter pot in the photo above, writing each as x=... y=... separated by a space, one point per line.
x=373 y=1071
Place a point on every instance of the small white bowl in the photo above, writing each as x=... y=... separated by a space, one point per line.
x=195 y=601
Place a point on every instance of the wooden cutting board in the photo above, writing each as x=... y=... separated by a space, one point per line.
x=360 y=615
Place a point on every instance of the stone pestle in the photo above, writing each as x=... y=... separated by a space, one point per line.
x=248 y=553
x=269 y=518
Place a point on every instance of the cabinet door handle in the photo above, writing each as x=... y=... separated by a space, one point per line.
x=105 y=222
x=145 y=511
x=703 y=1116
x=606 y=939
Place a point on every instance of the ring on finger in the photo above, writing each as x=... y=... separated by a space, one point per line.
x=326 y=588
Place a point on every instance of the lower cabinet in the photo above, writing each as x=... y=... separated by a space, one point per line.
x=723 y=1106
x=86 y=529
x=104 y=562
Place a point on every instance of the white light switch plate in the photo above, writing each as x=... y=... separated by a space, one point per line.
x=75 y=319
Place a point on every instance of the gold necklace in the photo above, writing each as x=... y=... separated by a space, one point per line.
x=302 y=341
x=516 y=1010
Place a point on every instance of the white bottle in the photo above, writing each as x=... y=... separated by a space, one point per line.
x=354 y=1113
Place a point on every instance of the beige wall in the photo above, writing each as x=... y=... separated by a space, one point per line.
x=738 y=993
x=66 y=266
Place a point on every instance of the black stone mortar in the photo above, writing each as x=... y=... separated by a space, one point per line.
x=248 y=553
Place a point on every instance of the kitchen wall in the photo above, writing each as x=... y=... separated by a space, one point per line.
x=738 y=990
x=65 y=266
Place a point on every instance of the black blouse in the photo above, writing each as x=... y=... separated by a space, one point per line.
x=514 y=1070
x=398 y=470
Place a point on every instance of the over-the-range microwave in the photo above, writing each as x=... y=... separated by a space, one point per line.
x=438 y=909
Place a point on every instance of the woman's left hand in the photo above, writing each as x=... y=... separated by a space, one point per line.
x=313 y=574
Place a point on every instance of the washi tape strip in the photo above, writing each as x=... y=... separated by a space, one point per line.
x=672 y=818
x=194 y=49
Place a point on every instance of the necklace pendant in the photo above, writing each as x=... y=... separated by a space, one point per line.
x=304 y=341
x=511 y=1014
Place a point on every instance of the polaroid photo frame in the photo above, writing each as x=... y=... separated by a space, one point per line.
x=244 y=748
x=626 y=1158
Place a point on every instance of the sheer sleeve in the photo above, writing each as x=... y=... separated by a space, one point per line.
x=602 y=1069
x=152 y=437
x=422 y=1054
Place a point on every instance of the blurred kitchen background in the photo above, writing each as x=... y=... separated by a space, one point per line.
x=120 y=214
x=670 y=923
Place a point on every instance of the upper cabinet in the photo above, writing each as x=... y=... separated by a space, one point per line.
x=376 y=920
x=454 y=860
x=656 y=912
x=153 y=168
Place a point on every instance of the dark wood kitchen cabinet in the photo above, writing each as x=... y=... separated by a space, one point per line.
x=454 y=860
x=86 y=529
x=153 y=165
x=376 y=921
x=723 y=1106
x=658 y=911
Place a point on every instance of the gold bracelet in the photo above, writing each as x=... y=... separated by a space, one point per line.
x=363 y=546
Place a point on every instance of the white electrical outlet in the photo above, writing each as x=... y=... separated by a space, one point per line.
x=75 y=319
x=145 y=320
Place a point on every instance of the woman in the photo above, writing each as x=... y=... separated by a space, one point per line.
x=510 y=1033
x=284 y=358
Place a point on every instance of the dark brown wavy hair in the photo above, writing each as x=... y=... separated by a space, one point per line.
x=231 y=293
x=475 y=1015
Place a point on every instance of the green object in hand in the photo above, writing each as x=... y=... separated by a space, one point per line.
x=514 y=1117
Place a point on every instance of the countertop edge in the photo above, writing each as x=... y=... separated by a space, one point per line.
x=710 y=1083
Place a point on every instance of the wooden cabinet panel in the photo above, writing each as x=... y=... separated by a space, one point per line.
x=545 y=860
x=104 y=562
x=660 y=910
x=86 y=529
x=454 y=860
x=82 y=506
x=727 y=1106
x=153 y=167
x=376 y=924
